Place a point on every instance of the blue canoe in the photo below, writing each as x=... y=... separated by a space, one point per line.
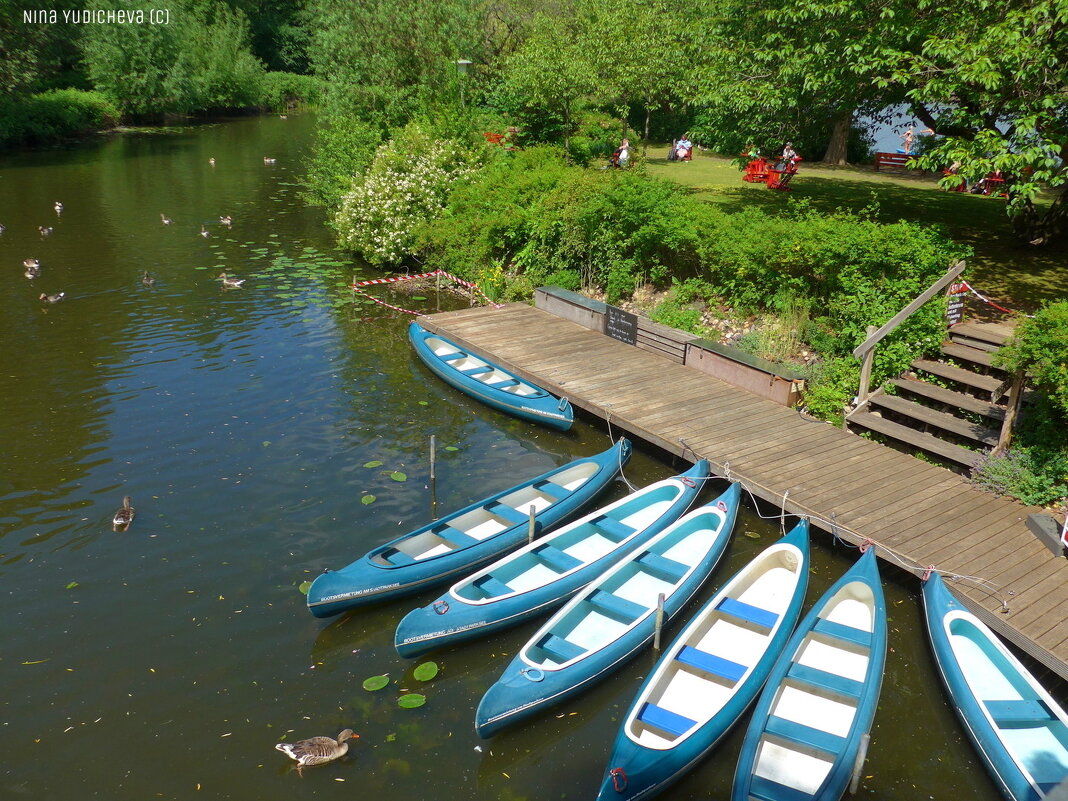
x=820 y=698
x=488 y=382
x=466 y=539
x=1020 y=732
x=610 y=620
x=711 y=672
x=546 y=572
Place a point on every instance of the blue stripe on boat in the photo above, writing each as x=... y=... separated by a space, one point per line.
x=666 y=720
x=473 y=371
x=1019 y=713
x=668 y=569
x=556 y=559
x=509 y=513
x=492 y=587
x=710 y=663
x=804 y=735
x=754 y=614
x=825 y=681
x=620 y=608
x=612 y=528
x=768 y=790
x=559 y=649
x=841 y=632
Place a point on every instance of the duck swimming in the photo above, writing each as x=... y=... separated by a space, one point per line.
x=204 y=232
x=33 y=267
x=147 y=279
x=230 y=283
x=211 y=161
x=163 y=218
x=226 y=220
x=44 y=230
x=318 y=750
x=124 y=516
x=58 y=207
x=269 y=160
x=56 y=298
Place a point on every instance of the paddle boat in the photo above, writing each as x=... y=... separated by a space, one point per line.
x=613 y=618
x=806 y=731
x=466 y=539
x=488 y=382
x=547 y=571
x=1020 y=732
x=711 y=672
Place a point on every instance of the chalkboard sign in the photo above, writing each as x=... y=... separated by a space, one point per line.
x=621 y=325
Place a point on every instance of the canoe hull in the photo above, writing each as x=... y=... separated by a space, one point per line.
x=512 y=395
x=536 y=679
x=485 y=601
x=387 y=572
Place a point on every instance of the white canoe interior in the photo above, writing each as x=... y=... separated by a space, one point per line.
x=1030 y=723
x=627 y=594
x=572 y=547
x=717 y=651
x=480 y=370
x=814 y=708
x=454 y=533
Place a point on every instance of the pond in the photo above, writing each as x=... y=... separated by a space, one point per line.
x=166 y=661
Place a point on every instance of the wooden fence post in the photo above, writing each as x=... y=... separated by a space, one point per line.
x=865 y=371
x=1011 y=410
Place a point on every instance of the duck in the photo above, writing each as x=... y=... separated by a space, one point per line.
x=211 y=161
x=56 y=298
x=230 y=283
x=58 y=207
x=33 y=267
x=318 y=750
x=269 y=160
x=147 y=279
x=163 y=218
x=124 y=516
x=2 y=228
x=204 y=232
x=44 y=230
x=283 y=116
x=226 y=220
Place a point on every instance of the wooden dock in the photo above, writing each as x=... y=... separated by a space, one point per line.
x=919 y=514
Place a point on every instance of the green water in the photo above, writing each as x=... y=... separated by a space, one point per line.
x=166 y=661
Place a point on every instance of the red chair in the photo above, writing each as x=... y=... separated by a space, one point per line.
x=756 y=171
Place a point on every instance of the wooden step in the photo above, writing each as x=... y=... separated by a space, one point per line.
x=961 y=376
x=972 y=343
x=966 y=353
x=917 y=439
x=995 y=333
x=968 y=403
x=940 y=420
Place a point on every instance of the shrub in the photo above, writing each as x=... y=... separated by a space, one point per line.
x=831 y=384
x=1040 y=346
x=1036 y=476
x=54 y=114
x=281 y=90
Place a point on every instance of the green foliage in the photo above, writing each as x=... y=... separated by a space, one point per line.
x=281 y=90
x=1034 y=475
x=54 y=114
x=831 y=384
x=1040 y=346
x=343 y=147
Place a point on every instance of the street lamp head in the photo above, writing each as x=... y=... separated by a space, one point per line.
x=462 y=65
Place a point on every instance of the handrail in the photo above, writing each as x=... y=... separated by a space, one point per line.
x=905 y=313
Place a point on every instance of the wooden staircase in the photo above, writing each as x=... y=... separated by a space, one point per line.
x=958 y=424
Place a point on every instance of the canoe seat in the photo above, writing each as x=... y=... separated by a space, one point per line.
x=1018 y=714
x=618 y=608
x=666 y=720
x=492 y=587
x=473 y=371
x=451 y=357
x=455 y=536
x=815 y=677
x=552 y=490
x=804 y=735
x=768 y=790
x=559 y=649
x=843 y=632
x=508 y=382
x=612 y=528
x=395 y=557
x=710 y=663
x=509 y=513
x=556 y=559
x=744 y=611
x=667 y=569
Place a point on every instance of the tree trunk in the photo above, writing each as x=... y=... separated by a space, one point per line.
x=645 y=141
x=837 y=147
x=1037 y=227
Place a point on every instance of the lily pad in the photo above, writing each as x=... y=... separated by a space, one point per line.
x=411 y=701
x=752 y=535
x=426 y=671
x=375 y=682
x=451 y=448
x=74 y=584
x=397 y=475
x=374 y=463
x=367 y=500
x=304 y=587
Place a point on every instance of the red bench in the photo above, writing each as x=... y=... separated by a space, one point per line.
x=898 y=160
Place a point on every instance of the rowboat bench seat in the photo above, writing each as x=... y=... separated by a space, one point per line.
x=553 y=490
x=556 y=559
x=665 y=719
x=612 y=528
x=618 y=608
x=492 y=587
x=710 y=663
x=395 y=557
x=509 y=513
x=1017 y=714
x=473 y=371
x=823 y=680
x=455 y=536
x=559 y=649
x=668 y=569
x=840 y=631
x=508 y=382
x=769 y=790
x=804 y=735
x=744 y=611
x=451 y=357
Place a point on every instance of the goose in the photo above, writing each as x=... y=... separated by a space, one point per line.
x=56 y=298
x=230 y=283
x=269 y=160
x=211 y=161
x=163 y=218
x=226 y=220
x=58 y=207
x=124 y=516
x=44 y=230
x=204 y=232
x=147 y=279
x=317 y=750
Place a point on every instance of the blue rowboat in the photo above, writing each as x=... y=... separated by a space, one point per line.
x=1020 y=732
x=468 y=538
x=711 y=672
x=610 y=620
x=488 y=382
x=546 y=572
x=820 y=699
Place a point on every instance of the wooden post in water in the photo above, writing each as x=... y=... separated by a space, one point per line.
x=433 y=477
x=858 y=763
x=531 y=524
x=659 y=621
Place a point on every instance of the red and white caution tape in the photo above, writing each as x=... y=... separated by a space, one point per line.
x=397 y=278
x=985 y=299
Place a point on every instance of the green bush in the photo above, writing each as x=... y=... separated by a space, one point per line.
x=281 y=90
x=831 y=384
x=1034 y=475
x=53 y=115
x=343 y=148
x=1040 y=346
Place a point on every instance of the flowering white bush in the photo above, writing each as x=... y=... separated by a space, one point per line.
x=407 y=183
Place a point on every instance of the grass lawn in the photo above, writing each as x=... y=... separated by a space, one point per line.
x=1008 y=273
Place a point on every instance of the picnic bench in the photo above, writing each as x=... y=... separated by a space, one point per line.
x=896 y=160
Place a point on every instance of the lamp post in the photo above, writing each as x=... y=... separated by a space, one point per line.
x=462 y=66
